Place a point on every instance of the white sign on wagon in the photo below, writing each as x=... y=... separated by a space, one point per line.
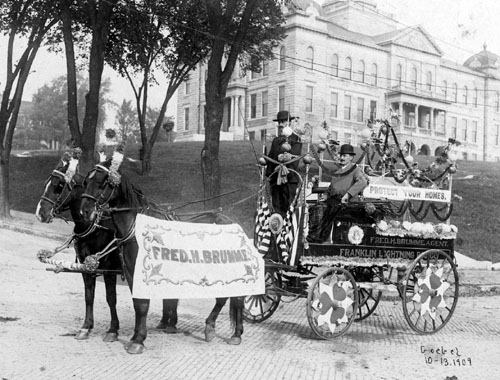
x=401 y=193
x=195 y=260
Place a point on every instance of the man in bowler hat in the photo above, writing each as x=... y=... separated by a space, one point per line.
x=283 y=194
x=347 y=183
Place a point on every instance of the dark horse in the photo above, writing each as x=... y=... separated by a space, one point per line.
x=62 y=193
x=113 y=192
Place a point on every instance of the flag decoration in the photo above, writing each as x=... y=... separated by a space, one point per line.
x=286 y=237
x=262 y=231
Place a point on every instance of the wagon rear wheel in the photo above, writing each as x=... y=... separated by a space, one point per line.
x=332 y=302
x=258 y=308
x=430 y=291
x=368 y=301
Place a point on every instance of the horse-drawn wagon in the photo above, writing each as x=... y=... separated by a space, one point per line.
x=397 y=238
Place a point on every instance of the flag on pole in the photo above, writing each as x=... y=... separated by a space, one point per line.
x=262 y=232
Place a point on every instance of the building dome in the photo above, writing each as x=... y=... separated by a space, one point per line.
x=483 y=60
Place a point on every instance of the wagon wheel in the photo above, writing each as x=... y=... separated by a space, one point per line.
x=258 y=308
x=430 y=291
x=332 y=302
x=368 y=301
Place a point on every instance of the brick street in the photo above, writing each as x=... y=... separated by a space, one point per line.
x=40 y=313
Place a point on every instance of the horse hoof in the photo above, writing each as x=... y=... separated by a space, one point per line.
x=161 y=326
x=209 y=333
x=170 y=330
x=110 y=337
x=235 y=340
x=135 y=348
x=82 y=335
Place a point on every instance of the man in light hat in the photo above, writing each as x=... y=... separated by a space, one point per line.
x=347 y=183
x=283 y=192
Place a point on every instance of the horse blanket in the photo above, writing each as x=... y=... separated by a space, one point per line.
x=194 y=260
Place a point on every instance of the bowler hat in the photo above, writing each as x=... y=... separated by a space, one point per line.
x=284 y=115
x=347 y=149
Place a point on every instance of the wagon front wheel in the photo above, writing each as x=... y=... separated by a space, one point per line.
x=258 y=308
x=332 y=303
x=430 y=291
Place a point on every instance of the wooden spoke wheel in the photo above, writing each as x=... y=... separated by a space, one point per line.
x=430 y=291
x=332 y=303
x=368 y=301
x=258 y=308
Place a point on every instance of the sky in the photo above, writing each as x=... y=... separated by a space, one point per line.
x=459 y=27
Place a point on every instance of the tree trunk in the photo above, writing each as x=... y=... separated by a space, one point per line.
x=146 y=161
x=210 y=164
x=4 y=188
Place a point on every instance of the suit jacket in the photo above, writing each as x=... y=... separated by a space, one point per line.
x=350 y=179
x=276 y=150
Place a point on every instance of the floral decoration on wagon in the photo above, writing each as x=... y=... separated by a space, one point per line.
x=355 y=235
x=417 y=229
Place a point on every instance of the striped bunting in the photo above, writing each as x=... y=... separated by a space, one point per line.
x=262 y=232
x=286 y=237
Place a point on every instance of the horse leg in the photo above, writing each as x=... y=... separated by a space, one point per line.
x=112 y=333
x=88 y=322
x=169 y=318
x=136 y=344
x=236 y=305
x=210 y=321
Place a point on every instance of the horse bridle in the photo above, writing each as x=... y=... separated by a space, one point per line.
x=101 y=201
x=56 y=204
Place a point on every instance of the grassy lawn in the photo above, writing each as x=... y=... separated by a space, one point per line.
x=176 y=182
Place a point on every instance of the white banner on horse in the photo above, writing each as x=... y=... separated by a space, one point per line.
x=195 y=260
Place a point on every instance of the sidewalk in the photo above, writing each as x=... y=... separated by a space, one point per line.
x=480 y=277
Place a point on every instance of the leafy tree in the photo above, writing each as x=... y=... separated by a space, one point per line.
x=244 y=30
x=49 y=115
x=127 y=121
x=30 y=20
x=156 y=38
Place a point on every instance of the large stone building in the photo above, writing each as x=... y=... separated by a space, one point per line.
x=345 y=62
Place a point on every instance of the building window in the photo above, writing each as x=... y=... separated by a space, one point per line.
x=474 y=132
x=335 y=65
x=253 y=106
x=263 y=134
x=464 y=129
x=474 y=99
x=348 y=68
x=347 y=107
x=465 y=95
x=445 y=90
x=441 y=122
x=282 y=58
x=362 y=72
x=334 y=135
x=454 y=123
x=251 y=136
x=497 y=102
x=281 y=98
x=265 y=68
x=428 y=82
x=361 y=106
x=348 y=138
x=187 y=87
x=414 y=78
x=186 y=119
x=264 y=103
x=309 y=98
x=334 y=104
x=374 y=74
x=399 y=74
x=373 y=109
x=310 y=58
x=455 y=92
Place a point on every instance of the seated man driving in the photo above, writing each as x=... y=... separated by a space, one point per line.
x=347 y=183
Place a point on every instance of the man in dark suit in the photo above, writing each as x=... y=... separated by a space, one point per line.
x=284 y=147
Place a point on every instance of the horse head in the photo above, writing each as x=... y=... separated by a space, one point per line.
x=59 y=189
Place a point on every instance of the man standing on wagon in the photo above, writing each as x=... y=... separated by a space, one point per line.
x=283 y=190
x=347 y=183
